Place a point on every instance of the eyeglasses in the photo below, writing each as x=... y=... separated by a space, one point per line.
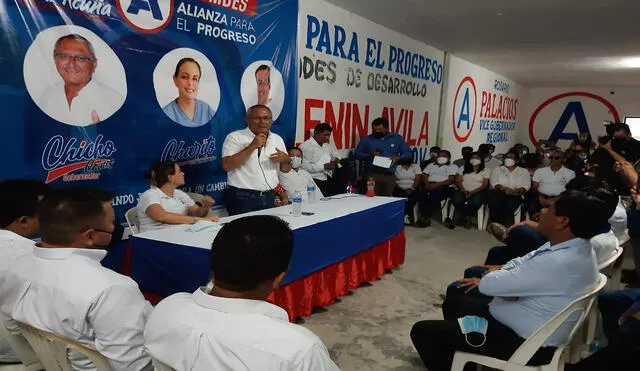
x=80 y=59
x=103 y=231
x=556 y=158
x=268 y=118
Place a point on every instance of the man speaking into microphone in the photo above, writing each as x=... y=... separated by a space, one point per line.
x=251 y=157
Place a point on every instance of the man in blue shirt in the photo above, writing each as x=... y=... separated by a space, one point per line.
x=384 y=144
x=527 y=291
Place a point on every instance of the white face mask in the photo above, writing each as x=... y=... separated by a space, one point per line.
x=296 y=162
x=508 y=162
x=442 y=160
x=475 y=162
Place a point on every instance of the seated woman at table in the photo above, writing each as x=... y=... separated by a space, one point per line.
x=163 y=204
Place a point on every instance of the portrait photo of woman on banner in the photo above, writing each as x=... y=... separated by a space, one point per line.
x=197 y=88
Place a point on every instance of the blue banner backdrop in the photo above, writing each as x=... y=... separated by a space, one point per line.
x=89 y=93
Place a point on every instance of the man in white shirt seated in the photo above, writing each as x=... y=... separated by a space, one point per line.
x=61 y=287
x=251 y=157
x=548 y=183
x=18 y=223
x=294 y=178
x=527 y=291
x=321 y=159
x=232 y=327
x=509 y=183
x=438 y=183
x=79 y=100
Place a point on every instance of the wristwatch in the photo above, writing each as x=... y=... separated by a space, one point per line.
x=195 y=219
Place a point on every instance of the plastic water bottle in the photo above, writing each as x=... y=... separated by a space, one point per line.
x=311 y=192
x=296 y=204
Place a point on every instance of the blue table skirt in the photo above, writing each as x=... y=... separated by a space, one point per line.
x=163 y=269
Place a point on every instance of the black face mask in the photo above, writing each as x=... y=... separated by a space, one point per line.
x=379 y=134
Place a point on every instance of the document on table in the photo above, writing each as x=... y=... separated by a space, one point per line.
x=203 y=225
x=381 y=161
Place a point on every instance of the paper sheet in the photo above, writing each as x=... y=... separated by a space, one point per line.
x=380 y=161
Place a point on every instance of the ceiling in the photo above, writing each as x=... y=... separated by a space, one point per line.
x=534 y=42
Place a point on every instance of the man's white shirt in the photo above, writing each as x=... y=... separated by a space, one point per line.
x=200 y=332
x=552 y=183
x=250 y=174
x=518 y=178
x=66 y=291
x=92 y=97
x=440 y=173
x=315 y=156
x=298 y=180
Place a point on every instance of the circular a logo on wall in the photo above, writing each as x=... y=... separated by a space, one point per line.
x=463 y=117
x=572 y=107
x=147 y=16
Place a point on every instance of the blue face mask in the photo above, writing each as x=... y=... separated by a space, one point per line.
x=469 y=324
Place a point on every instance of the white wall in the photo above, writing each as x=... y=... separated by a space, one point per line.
x=492 y=102
x=544 y=107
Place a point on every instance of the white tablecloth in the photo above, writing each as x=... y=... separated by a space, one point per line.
x=201 y=235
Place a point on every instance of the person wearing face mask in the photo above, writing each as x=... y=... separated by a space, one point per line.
x=438 y=179
x=322 y=160
x=487 y=150
x=584 y=141
x=294 y=178
x=509 y=183
x=548 y=183
x=382 y=143
x=472 y=180
x=624 y=144
x=100 y=307
x=466 y=154
x=433 y=154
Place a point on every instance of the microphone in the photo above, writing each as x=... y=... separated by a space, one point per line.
x=259 y=150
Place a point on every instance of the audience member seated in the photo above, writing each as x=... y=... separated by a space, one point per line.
x=523 y=238
x=490 y=162
x=294 y=178
x=408 y=177
x=433 y=154
x=252 y=157
x=320 y=159
x=164 y=204
x=232 y=327
x=584 y=142
x=466 y=154
x=382 y=143
x=621 y=324
x=61 y=287
x=526 y=292
x=18 y=223
x=509 y=183
x=472 y=181
x=548 y=183
x=438 y=180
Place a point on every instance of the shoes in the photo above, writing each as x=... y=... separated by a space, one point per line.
x=498 y=231
x=461 y=222
x=407 y=221
x=449 y=223
x=468 y=224
x=423 y=223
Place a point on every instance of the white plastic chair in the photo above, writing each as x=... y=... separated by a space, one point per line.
x=587 y=333
x=22 y=349
x=446 y=209
x=52 y=350
x=520 y=358
x=159 y=366
x=483 y=217
x=132 y=220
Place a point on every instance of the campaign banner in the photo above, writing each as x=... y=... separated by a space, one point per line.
x=352 y=70
x=94 y=91
x=480 y=107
